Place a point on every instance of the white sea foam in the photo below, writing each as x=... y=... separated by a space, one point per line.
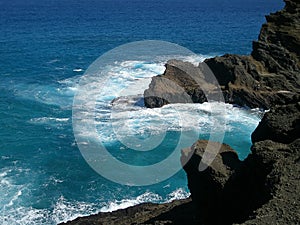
x=123 y=74
x=64 y=210
x=49 y=120
x=129 y=118
x=9 y=195
x=15 y=197
x=146 y=197
x=179 y=193
x=77 y=70
x=53 y=61
x=23 y=216
x=125 y=203
x=120 y=113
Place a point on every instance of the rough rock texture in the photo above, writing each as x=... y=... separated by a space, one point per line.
x=278 y=46
x=228 y=190
x=282 y=181
x=269 y=76
x=281 y=124
x=246 y=82
x=177 y=212
x=265 y=187
x=182 y=82
x=209 y=186
x=243 y=80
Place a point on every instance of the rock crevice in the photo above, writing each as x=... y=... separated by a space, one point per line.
x=265 y=187
x=269 y=76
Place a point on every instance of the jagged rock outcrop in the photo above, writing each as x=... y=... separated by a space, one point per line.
x=262 y=189
x=182 y=82
x=282 y=164
x=278 y=45
x=269 y=76
x=208 y=187
x=229 y=190
x=246 y=82
x=243 y=81
x=177 y=212
x=265 y=187
x=281 y=124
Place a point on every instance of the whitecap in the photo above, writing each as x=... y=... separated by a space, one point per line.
x=125 y=203
x=65 y=210
x=77 y=70
x=15 y=197
x=178 y=194
x=42 y=120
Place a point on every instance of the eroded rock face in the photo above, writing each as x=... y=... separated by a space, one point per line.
x=265 y=187
x=269 y=76
x=246 y=82
x=182 y=82
x=281 y=124
x=241 y=79
x=278 y=46
x=282 y=182
x=228 y=190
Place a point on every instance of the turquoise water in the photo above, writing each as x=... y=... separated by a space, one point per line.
x=46 y=47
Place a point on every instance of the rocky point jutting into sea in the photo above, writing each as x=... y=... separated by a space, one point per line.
x=264 y=188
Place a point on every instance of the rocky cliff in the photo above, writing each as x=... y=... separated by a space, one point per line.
x=262 y=189
x=269 y=76
x=265 y=187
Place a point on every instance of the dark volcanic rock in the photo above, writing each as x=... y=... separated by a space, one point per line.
x=268 y=77
x=246 y=82
x=281 y=124
x=278 y=46
x=242 y=79
x=228 y=190
x=265 y=187
x=282 y=163
x=182 y=82
x=207 y=187
x=177 y=213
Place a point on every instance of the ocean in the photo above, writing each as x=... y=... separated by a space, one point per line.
x=46 y=48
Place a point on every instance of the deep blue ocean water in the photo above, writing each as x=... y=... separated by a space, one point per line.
x=45 y=48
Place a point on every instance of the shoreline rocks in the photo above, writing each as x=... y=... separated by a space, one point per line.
x=267 y=77
x=265 y=187
x=242 y=80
